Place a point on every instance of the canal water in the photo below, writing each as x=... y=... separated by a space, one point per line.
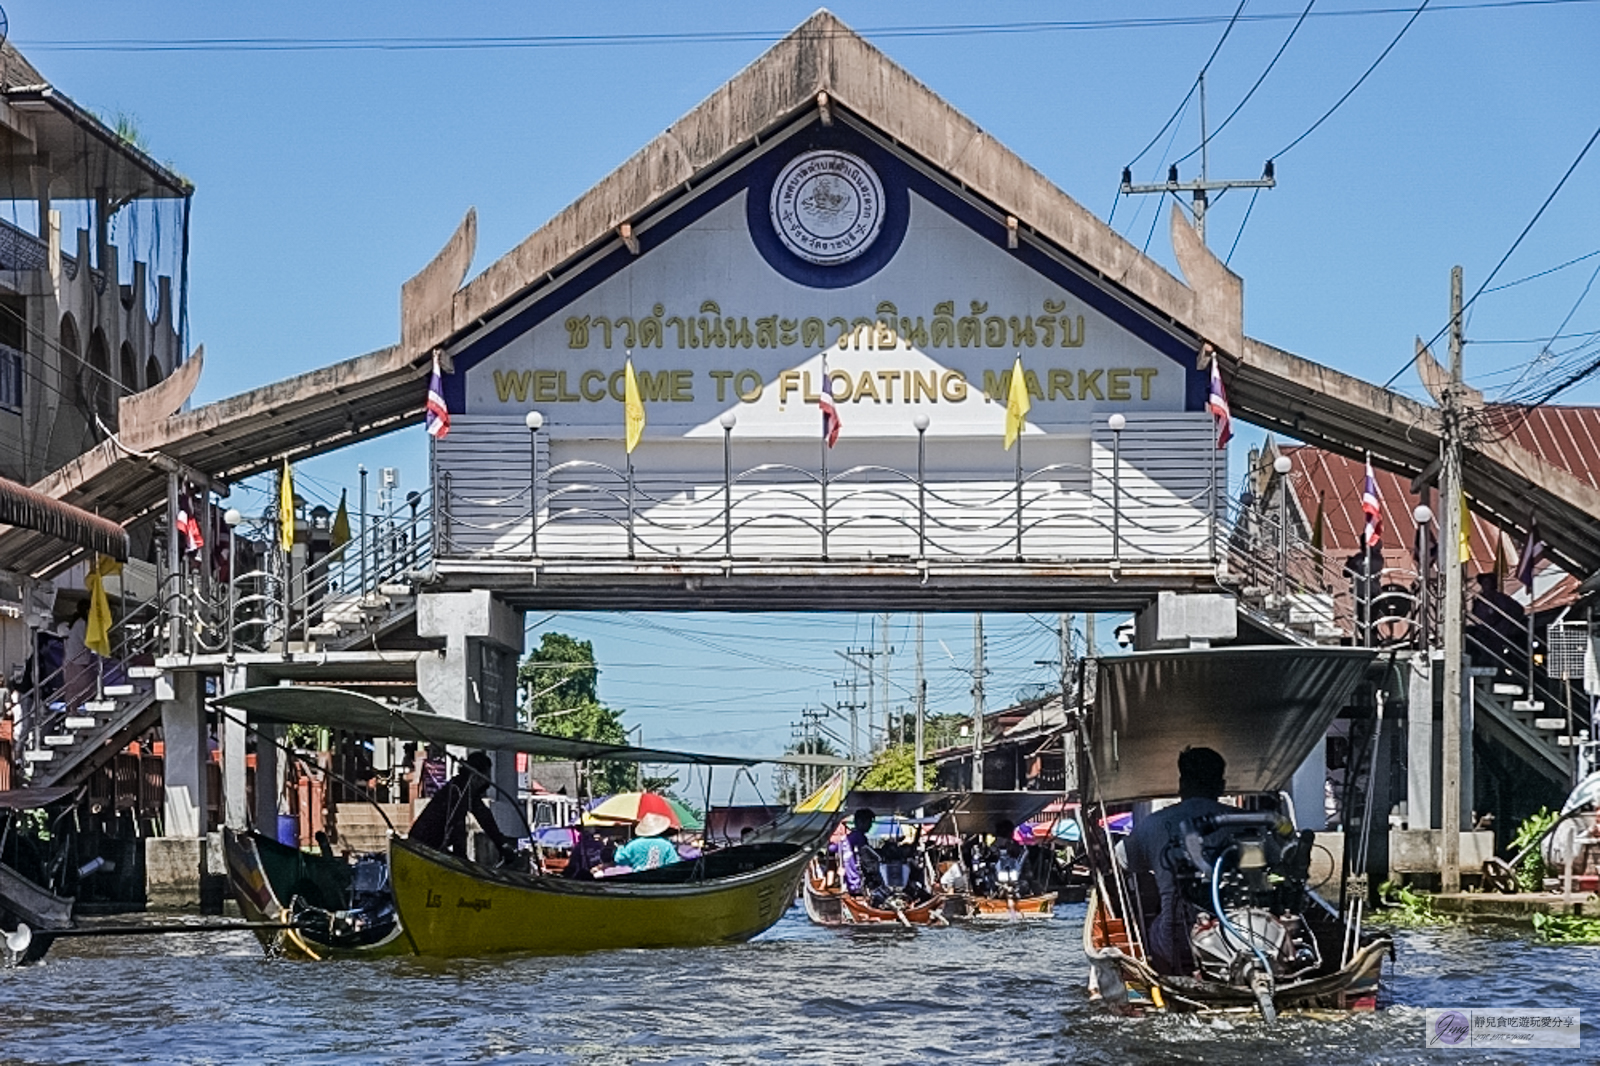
x=799 y=994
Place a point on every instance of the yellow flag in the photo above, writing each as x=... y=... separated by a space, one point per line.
x=97 y=633
x=1017 y=405
x=286 y=509
x=339 y=535
x=830 y=797
x=632 y=407
x=1466 y=530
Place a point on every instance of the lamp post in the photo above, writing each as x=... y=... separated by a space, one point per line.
x=1281 y=466
x=1422 y=514
x=231 y=518
x=922 y=421
x=534 y=420
x=1118 y=422
x=728 y=420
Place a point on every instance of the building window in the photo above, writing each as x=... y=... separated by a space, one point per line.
x=10 y=378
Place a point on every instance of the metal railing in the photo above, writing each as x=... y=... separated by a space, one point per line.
x=582 y=508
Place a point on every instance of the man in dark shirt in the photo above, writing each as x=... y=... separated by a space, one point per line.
x=442 y=825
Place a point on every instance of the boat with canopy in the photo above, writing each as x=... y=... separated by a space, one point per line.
x=339 y=910
x=1257 y=937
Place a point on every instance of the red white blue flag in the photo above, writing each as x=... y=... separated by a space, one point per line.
x=438 y=415
x=1372 y=507
x=1217 y=404
x=830 y=414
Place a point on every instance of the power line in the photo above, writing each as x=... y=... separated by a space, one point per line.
x=1194 y=87
x=1364 y=75
x=476 y=42
x=1533 y=277
x=1509 y=251
x=1240 y=105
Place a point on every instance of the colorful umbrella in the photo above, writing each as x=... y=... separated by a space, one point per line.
x=630 y=807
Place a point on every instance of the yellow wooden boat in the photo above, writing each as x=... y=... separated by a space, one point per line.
x=450 y=908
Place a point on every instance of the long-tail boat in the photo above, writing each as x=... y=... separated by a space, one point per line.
x=728 y=895
x=452 y=908
x=1260 y=940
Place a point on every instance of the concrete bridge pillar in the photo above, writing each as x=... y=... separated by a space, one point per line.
x=475 y=677
x=175 y=861
x=1422 y=782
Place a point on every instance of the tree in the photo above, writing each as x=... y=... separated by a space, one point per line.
x=894 y=769
x=561 y=681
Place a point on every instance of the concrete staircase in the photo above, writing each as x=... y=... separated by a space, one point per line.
x=75 y=745
x=1538 y=734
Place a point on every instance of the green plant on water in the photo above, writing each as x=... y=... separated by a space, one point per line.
x=1530 y=871
x=1404 y=907
x=1566 y=929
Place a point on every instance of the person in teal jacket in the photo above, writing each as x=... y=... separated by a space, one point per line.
x=648 y=849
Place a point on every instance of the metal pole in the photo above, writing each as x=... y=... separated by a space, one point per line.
x=1450 y=483
x=977 y=702
x=1283 y=534
x=362 y=469
x=1019 y=497
x=921 y=422
x=172 y=594
x=922 y=708
x=1117 y=423
x=823 y=484
x=233 y=587
x=1211 y=501
x=630 y=505
x=533 y=420
x=727 y=488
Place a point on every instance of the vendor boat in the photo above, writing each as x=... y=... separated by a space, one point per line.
x=328 y=907
x=451 y=908
x=1260 y=940
x=823 y=898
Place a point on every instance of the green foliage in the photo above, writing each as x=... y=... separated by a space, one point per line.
x=1530 y=871
x=561 y=683
x=1403 y=907
x=1566 y=929
x=893 y=770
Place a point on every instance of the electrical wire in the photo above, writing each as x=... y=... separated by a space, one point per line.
x=1240 y=105
x=1242 y=224
x=1351 y=91
x=478 y=42
x=1193 y=88
x=1548 y=200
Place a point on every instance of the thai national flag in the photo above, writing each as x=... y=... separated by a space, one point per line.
x=438 y=415
x=830 y=414
x=1372 y=506
x=1217 y=404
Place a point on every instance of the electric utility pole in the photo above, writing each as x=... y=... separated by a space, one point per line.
x=851 y=708
x=855 y=657
x=885 y=650
x=1202 y=189
x=922 y=707
x=1450 y=563
x=977 y=702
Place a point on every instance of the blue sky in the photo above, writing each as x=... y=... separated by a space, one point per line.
x=328 y=175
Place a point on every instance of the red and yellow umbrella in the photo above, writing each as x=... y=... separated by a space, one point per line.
x=630 y=807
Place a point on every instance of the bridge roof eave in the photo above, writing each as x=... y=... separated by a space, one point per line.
x=823 y=55
x=1281 y=391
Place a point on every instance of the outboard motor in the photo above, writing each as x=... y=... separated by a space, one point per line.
x=1245 y=874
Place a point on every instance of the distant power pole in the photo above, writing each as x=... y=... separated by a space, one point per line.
x=1203 y=188
x=1064 y=637
x=1450 y=564
x=922 y=707
x=860 y=658
x=852 y=708
x=977 y=702
x=885 y=650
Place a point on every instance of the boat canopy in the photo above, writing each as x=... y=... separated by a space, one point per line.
x=977 y=812
x=27 y=799
x=884 y=803
x=337 y=708
x=1263 y=709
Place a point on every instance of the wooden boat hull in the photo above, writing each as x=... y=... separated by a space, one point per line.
x=1119 y=977
x=823 y=904
x=855 y=911
x=450 y=908
x=258 y=873
x=984 y=909
x=31 y=903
